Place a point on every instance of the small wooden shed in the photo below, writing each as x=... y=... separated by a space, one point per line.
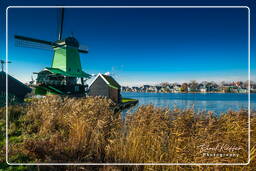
x=105 y=85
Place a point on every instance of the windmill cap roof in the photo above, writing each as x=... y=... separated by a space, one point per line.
x=70 y=41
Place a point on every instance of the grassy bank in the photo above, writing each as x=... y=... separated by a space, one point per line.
x=125 y=100
x=56 y=129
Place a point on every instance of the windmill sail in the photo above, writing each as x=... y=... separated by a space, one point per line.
x=29 y=39
x=28 y=44
x=60 y=27
x=83 y=49
x=23 y=41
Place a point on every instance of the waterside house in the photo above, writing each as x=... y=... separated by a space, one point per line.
x=105 y=85
x=177 y=88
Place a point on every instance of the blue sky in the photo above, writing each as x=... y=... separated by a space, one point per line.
x=140 y=46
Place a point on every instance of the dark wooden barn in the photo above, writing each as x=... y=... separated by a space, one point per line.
x=105 y=85
x=16 y=89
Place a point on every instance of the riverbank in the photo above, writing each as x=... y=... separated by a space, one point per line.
x=190 y=92
x=86 y=130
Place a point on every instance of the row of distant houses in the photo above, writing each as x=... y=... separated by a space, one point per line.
x=188 y=87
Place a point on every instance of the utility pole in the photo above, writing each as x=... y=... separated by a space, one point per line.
x=2 y=64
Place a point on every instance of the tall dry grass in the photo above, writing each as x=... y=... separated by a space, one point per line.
x=68 y=130
x=57 y=129
x=159 y=135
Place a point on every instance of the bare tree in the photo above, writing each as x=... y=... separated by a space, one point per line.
x=164 y=84
x=184 y=87
x=193 y=85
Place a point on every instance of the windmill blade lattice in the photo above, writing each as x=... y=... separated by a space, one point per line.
x=29 y=44
x=83 y=49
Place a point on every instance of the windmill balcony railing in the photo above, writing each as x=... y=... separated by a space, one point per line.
x=58 y=82
x=51 y=82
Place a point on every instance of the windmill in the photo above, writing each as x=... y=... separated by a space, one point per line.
x=63 y=75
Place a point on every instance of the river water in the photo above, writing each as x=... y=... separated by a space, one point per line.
x=216 y=102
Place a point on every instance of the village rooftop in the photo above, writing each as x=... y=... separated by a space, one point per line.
x=193 y=86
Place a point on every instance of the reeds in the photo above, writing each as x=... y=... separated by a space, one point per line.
x=58 y=129
x=70 y=130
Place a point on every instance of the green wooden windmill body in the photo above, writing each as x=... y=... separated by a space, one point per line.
x=67 y=68
x=67 y=59
x=59 y=59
